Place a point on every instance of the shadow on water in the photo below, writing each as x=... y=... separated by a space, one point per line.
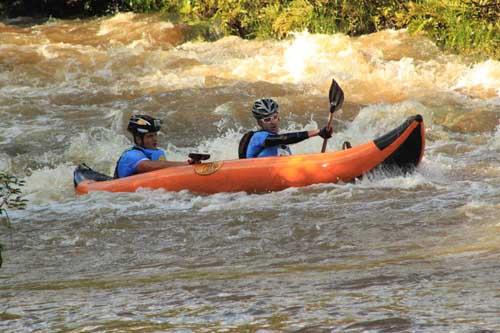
x=23 y=21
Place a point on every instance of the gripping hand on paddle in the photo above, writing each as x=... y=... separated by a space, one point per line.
x=326 y=132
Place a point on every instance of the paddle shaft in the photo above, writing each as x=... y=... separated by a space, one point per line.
x=329 y=125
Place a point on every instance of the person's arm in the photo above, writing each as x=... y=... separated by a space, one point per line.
x=295 y=137
x=147 y=165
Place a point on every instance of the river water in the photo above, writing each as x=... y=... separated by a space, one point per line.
x=389 y=253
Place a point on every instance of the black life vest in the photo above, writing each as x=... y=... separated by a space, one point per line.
x=243 y=146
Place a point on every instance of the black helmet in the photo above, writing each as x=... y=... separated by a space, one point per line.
x=264 y=107
x=142 y=124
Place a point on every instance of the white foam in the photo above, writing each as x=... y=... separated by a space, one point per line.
x=484 y=75
x=5 y=163
x=375 y=120
x=97 y=146
x=115 y=22
x=298 y=55
x=49 y=184
x=495 y=139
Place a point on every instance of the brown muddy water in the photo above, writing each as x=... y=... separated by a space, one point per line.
x=389 y=253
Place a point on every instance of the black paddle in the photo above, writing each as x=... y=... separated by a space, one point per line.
x=336 y=96
x=196 y=157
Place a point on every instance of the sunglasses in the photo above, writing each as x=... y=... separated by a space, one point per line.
x=271 y=118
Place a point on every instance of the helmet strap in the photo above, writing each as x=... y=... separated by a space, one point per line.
x=140 y=136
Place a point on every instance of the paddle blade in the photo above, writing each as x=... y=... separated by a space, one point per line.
x=336 y=96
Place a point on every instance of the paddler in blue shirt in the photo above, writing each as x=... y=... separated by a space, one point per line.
x=144 y=156
x=267 y=141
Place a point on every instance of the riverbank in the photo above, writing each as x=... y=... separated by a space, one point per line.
x=469 y=28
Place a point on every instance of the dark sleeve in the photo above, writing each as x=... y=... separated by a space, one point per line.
x=285 y=139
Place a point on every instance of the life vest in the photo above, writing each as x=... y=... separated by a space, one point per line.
x=278 y=150
x=152 y=157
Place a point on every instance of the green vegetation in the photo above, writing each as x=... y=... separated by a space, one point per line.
x=470 y=27
x=10 y=197
x=276 y=18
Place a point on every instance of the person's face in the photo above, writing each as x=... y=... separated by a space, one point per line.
x=271 y=123
x=150 y=140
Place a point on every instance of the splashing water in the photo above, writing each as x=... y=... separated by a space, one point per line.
x=415 y=252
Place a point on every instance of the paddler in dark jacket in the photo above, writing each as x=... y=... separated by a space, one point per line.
x=144 y=156
x=267 y=141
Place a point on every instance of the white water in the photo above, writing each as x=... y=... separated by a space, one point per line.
x=418 y=252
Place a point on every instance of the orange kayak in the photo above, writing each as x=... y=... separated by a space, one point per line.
x=401 y=148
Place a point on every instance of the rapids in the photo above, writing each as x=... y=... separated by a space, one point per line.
x=390 y=253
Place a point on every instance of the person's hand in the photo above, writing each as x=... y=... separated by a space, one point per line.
x=326 y=132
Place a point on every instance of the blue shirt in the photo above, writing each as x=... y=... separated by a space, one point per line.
x=256 y=146
x=130 y=159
